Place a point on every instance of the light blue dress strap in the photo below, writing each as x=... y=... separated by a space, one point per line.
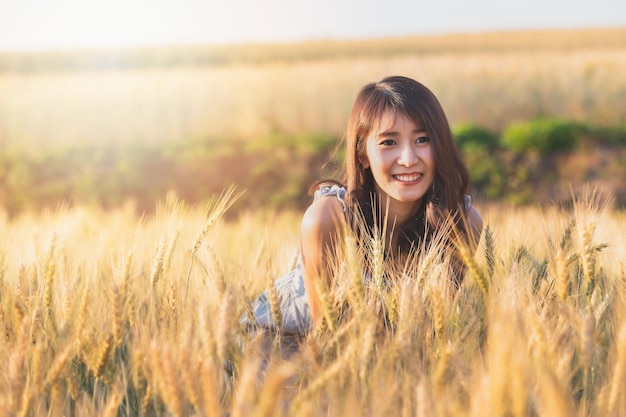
x=467 y=201
x=326 y=190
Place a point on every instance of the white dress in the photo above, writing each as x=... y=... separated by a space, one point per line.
x=294 y=303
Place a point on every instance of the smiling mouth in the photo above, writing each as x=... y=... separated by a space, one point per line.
x=407 y=177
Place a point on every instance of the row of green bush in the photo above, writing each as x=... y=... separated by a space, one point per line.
x=517 y=165
x=275 y=170
x=543 y=136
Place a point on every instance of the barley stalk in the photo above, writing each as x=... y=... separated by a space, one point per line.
x=424 y=400
x=567 y=234
x=128 y=265
x=57 y=366
x=562 y=276
x=215 y=209
x=330 y=372
x=190 y=370
x=366 y=346
x=469 y=260
x=167 y=261
x=436 y=304
x=441 y=367
x=172 y=309
x=586 y=335
x=275 y=308
x=406 y=320
x=81 y=318
x=117 y=317
x=273 y=389
x=210 y=389
x=617 y=392
x=587 y=255
x=115 y=397
x=490 y=251
x=425 y=265
x=378 y=261
x=100 y=358
x=553 y=401
x=17 y=370
x=325 y=306
x=587 y=345
x=164 y=365
x=206 y=337
x=223 y=331
x=216 y=270
x=157 y=267
x=356 y=276
x=49 y=270
x=145 y=400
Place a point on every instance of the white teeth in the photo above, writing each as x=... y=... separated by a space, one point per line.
x=407 y=177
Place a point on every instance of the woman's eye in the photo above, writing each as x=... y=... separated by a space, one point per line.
x=422 y=139
x=388 y=142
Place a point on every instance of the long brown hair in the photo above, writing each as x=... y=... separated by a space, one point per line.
x=446 y=197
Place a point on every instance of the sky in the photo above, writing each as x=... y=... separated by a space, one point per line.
x=70 y=24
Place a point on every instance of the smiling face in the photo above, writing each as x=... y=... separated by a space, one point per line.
x=400 y=157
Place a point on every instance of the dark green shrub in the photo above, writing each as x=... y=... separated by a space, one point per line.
x=544 y=136
x=612 y=136
x=487 y=173
x=469 y=135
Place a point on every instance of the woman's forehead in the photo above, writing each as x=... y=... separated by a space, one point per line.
x=388 y=119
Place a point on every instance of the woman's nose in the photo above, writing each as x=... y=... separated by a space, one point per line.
x=408 y=156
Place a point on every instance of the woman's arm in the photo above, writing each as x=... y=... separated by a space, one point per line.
x=322 y=225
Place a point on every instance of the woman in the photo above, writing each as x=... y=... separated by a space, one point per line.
x=403 y=175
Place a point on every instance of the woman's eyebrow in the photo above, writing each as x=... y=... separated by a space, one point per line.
x=395 y=133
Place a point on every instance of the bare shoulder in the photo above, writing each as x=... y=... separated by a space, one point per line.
x=474 y=221
x=325 y=215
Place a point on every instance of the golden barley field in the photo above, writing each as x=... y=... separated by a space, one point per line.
x=111 y=314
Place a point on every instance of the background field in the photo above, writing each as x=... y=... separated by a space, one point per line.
x=249 y=91
x=104 y=127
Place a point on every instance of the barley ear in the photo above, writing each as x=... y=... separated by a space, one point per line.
x=587 y=256
x=118 y=305
x=157 y=267
x=274 y=300
x=470 y=262
x=49 y=271
x=355 y=271
x=114 y=399
x=223 y=332
x=562 y=276
x=377 y=260
x=325 y=306
x=490 y=251
x=215 y=209
x=566 y=237
x=216 y=269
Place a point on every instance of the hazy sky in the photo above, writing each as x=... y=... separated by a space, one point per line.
x=45 y=24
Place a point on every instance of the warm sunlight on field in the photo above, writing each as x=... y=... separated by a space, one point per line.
x=105 y=313
x=112 y=305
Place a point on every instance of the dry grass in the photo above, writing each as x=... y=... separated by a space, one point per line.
x=88 y=330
